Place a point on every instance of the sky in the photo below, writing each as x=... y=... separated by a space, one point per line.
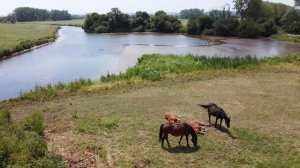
x=127 y=6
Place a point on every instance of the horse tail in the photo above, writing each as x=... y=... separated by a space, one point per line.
x=160 y=132
x=204 y=106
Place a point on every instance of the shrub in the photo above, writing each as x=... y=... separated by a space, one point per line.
x=291 y=21
x=267 y=28
x=22 y=148
x=225 y=27
x=5 y=116
x=34 y=123
x=183 y=30
x=150 y=74
x=196 y=25
x=101 y=29
x=208 y=32
x=248 y=29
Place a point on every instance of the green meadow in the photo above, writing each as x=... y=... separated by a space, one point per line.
x=17 y=37
x=114 y=122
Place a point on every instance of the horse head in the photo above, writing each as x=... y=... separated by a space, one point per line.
x=227 y=121
x=194 y=135
x=194 y=140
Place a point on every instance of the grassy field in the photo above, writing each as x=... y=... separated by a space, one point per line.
x=16 y=37
x=119 y=127
x=184 y=22
x=282 y=36
x=74 y=22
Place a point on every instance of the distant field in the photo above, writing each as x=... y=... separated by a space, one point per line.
x=74 y=22
x=12 y=35
x=184 y=22
x=282 y=36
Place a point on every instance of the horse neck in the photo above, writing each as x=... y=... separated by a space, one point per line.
x=225 y=115
x=192 y=131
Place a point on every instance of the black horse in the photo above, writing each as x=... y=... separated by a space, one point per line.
x=218 y=112
x=177 y=130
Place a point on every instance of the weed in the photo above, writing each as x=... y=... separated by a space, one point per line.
x=34 y=123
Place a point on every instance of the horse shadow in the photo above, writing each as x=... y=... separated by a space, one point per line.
x=182 y=149
x=226 y=131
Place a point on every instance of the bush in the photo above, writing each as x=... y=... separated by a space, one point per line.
x=5 y=117
x=248 y=29
x=208 y=32
x=101 y=29
x=21 y=148
x=196 y=25
x=291 y=21
x=150 y=74
x=183 y=30
x=34 y=123
x=225 y=27
x=267 y=28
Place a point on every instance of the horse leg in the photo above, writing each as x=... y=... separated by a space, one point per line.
x=216 y=121
x=221 y=123
x=209 y=117
x=187 y=140
x=168 y=140
x=162 y=141
x=180 y=140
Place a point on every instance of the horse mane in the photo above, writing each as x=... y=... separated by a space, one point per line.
x=193 y=133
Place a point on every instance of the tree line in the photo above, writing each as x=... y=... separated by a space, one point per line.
x=117 y=21
x=27 y=14
x=251 y=18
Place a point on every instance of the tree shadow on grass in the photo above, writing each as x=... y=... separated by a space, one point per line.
x=182 y=149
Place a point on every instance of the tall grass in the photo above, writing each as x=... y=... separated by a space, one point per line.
x=156 y=67
x=50 y=91
x=23 y=148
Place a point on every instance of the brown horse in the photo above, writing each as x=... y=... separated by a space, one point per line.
x=198 y=127
x=177 y=130
x=171 y=117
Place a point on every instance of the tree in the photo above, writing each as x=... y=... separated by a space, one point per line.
x=114 y=21
x=161 y=22
x=140 y=22
x=60 y=15
x=291 y=21
x=297 y=3
x=197 y=25
x=189 y=13
x=225 y=26
x=248 y=29
x=24 y=14
x=120 y=20
x=249 y=9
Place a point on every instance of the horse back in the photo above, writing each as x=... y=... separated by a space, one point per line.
x=215 y=111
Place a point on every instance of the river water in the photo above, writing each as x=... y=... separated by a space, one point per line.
x=77 y=54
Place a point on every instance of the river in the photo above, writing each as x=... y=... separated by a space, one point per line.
x=76 y=54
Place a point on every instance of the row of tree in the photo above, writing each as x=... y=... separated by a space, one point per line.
x=116 y=21
x=252 y=18
x=27 y=14
x=257 y=18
